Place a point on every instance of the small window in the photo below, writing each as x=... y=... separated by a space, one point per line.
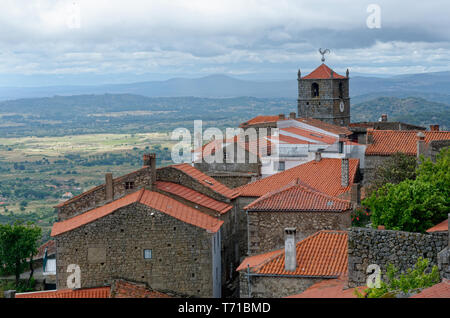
x=281 y=166
x=129 y=185
x=315 y=90
x=147 y=254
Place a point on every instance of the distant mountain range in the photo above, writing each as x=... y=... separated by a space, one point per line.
x=432 y=86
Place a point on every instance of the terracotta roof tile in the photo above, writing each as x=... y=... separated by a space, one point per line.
x=322 y=254
x=154 y=200
x=101 y=292
x=206 y=180
x=125 y=289
x=260 y=120
x=441 y=227
x=324 y=176
x=315 y=137
x=388 y=142
x=330 y=288
x=335 y=129
x=441 y=290
x=193 y=196
x=296 y=197
x=322 y=72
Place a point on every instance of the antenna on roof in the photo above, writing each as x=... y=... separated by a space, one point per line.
x=323 y=52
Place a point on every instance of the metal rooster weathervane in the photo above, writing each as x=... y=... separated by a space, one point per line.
x=323 y=52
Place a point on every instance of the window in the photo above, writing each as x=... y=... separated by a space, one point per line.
x=341 y=90
x=315 y=90
x=281 y=166
x=147 y=254
x=129 y=185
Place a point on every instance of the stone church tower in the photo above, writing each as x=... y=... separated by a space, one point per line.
x=324 y=94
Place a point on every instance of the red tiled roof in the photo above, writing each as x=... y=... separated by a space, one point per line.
x=335 y=129
x=441 y=227
x=125 y=289
x=100 y=292
x=315 y=136
x=322 y=254
x=193 y=196
x=120 y=289
x=206 y=180
x=287 y=139
x=330 y=288
x=325 y=176
x=441 y=290
x=388 y=142
x=260 y=120
x=322 y=72
x=152 y=199
x=297 y=197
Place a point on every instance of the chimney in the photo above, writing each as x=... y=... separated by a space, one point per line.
x=384 y=117
x=341 y=143
x=421 y=144
x=355 y=194
x=292 y=115
x=150 y=162
x=318 y=156
x=109 y=188
x=281 y=117
x=369 y=136
x=290 y=251
x=434 y=127
x=344 y=172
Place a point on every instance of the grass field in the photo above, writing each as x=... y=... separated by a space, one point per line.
x=36 y=172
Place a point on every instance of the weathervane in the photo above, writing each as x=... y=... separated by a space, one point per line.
x=323 y=53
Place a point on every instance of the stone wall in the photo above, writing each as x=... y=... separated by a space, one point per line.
x=326 y=106
x=381 y=247
x=435 y=146
x=273 y=287
x=97 y=196
x=241 y=202
x=371 y=163
x=266 y=229
x=112 y=247
x=231 y=181
x=171 y=174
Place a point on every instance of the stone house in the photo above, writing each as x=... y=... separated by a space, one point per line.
x=336 y=178
x=288 y=271
x=381 y=144
x=295 y=205
x=173 y=228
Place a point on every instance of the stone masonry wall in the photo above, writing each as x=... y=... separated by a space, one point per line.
x=112 y=247
x=171 y=174
x=267 y=228
x=381 y=247
x=97 y=196
x=273 y=287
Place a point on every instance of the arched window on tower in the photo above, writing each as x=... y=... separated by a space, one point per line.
x=341 y=90
x=315 y=90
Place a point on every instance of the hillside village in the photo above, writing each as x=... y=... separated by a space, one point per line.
x=281 y=225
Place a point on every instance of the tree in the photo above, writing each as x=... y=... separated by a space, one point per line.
x=397 y=168
x=414 y=205
x=412 y=281
x=18 y=242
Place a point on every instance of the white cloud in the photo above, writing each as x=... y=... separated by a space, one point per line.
x=195 y=36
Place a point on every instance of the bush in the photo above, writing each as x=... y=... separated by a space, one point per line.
x=412 y=281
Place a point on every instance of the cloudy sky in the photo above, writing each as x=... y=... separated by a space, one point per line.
x=106 y=41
